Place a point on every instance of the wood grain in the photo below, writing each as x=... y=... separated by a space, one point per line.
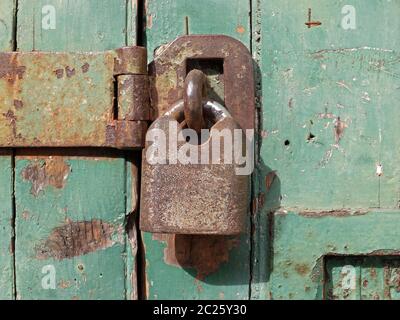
x=71 y=211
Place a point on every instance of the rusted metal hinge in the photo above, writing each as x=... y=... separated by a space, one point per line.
x=74 y=99
x=102 y=99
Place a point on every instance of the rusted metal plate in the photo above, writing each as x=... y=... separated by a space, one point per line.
x=170 y=67
x=67 y=99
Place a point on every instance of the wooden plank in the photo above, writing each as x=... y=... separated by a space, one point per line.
x=6 y=229
x=132 y=244
x=196 y=267
x=70 y=213
x=343 y=281
x=329 y=117
x=372 y=281
x=89 y=25
x=71 y=205
x=7 y=11
x=362 y=278
x=165 y=20
x=302 y=244
x=132 y=22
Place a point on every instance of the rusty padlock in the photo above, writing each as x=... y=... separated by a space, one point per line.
x=199 y=193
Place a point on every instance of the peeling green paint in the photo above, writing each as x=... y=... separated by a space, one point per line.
x=301 y=244
x=328 y=123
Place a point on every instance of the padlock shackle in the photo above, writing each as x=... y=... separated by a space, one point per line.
x=193 y=95
x=213 y=110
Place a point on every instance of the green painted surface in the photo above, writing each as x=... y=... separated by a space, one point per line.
x=301 y=244
x=167 y=19
x=6 y=230
x=312 y=77
x=328 y=121
x=366 y=278
x=194 y=268
x=85 y=195
x=6 y=173
x=7 y=8
x=96 y=186
x=79 y=25
x=214 y=268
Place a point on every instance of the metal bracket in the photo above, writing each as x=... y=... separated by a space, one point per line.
x=74 y=99
x=168 y=71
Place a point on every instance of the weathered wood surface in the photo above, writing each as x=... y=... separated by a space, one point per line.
x=308 y=250
x=6 y=175
x=329 y=128
x=72 y=206
x=87 y=25
x=329 y=153
x=196 y=267
x=6 y=227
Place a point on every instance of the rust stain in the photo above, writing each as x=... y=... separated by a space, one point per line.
x=291 y=103
x=85 y=67
x=240 y=29
x=302 y=269
x=75 y=239
x=18 y=104
x=9 y=115
x=25 y=215
x=168 y=71
x=149 y=22
x=64 y=284
x=51 y=172
x=332 y=213
x=258 y=202
x=205 y=254
x=310 y=23
x=10 y=69
x=70 y=71
x=339 y=129
x=59 y=73
x=373 y=273
x=269 y=180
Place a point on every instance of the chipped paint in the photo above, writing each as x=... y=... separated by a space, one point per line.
x=74 y=239
x=10 y=69
x=379 y=170
x=339 y=127
x=333 y=213
x=240 y=29
x=269 y=180
x=52 y=171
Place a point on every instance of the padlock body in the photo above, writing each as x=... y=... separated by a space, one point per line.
x=193 y=198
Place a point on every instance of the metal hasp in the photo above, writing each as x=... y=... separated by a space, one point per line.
x=197 y=198
x=74 y=99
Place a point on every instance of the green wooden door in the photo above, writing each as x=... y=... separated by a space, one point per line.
x=325 y=196
x=326 y=182
x=327 y=179
x=71 y=210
